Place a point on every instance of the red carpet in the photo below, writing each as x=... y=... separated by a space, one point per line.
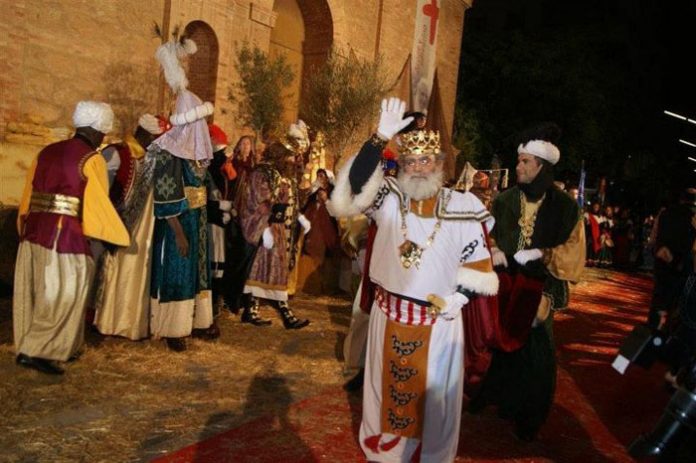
x=596 y=414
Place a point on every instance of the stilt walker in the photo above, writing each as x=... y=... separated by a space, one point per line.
x=180 y=294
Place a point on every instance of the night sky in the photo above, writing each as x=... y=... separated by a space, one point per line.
x=604 y=70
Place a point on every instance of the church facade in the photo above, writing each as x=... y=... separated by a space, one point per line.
x=57 y=52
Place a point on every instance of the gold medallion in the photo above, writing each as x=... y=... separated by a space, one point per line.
x=410 y=254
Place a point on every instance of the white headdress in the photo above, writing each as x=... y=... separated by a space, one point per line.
x=541 y=149
x=94 y=114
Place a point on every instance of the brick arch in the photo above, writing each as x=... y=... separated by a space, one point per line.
x=319 y=32
x=203 y=65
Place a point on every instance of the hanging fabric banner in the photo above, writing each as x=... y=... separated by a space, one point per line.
x=424 y=52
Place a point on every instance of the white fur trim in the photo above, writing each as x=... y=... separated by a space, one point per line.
x=541 y=149
x=485 y=283
x=343 y=202
x=193 y=114
x=94 y=114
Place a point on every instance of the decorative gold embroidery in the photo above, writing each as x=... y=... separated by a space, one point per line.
x=196 y=196
x=376 y=140
x=409 y=252
x=404 y=376
x=526 y=223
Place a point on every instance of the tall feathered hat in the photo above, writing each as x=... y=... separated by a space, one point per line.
x=189 y=137
x=168 y=55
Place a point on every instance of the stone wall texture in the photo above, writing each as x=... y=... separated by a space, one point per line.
x=58 y=52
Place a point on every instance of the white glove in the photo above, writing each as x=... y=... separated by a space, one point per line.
x=306 y=224
x=391 y=119
x=449 y=306
x=225 y=205
x=527 y=255
x=268 y=238
x=226 y=217
x=498 y=257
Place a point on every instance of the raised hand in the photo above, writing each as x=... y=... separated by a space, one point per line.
x=391 y=119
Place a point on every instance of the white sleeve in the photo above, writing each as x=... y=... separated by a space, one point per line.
x=475 y=265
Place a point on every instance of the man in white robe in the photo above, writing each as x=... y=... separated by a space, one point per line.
x=429 y=256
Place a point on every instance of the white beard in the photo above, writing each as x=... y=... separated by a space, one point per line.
x=418 y=188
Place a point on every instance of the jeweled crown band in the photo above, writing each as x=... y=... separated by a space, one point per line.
x=419 y=142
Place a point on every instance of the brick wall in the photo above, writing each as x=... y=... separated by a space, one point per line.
x=57 y=52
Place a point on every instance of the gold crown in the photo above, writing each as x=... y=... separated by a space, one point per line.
x=419 y=142
x=296 y=145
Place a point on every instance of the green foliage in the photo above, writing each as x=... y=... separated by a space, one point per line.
x=342 y=96
x=467 y=137
x=259 y=91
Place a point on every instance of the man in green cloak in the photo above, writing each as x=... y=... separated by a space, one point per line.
x=538 y=247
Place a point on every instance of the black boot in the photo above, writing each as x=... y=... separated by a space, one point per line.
x=176 y=344
x=207 y=334
x=39 y=364
x=251 y=313
x=290 y=321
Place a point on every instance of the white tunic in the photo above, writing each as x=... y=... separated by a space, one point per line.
x=459 y=241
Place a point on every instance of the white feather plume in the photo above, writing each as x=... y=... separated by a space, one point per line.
x=168 y=55
x=189 y=47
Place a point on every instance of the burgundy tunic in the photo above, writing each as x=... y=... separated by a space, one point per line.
x=59 y=171
x=125 y=175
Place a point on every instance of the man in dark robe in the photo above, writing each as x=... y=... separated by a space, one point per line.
x=538 y=248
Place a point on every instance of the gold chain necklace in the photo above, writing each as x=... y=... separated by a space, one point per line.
x=409 y=252
x=526 y=226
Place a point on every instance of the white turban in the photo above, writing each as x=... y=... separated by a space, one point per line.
x=541 y=149
x=94 y=114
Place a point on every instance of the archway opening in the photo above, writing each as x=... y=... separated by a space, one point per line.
x=303 y=32
x=203 y=64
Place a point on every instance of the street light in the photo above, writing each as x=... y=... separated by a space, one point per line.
x=690 y=158
x=680 y=117
x=687 y=143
